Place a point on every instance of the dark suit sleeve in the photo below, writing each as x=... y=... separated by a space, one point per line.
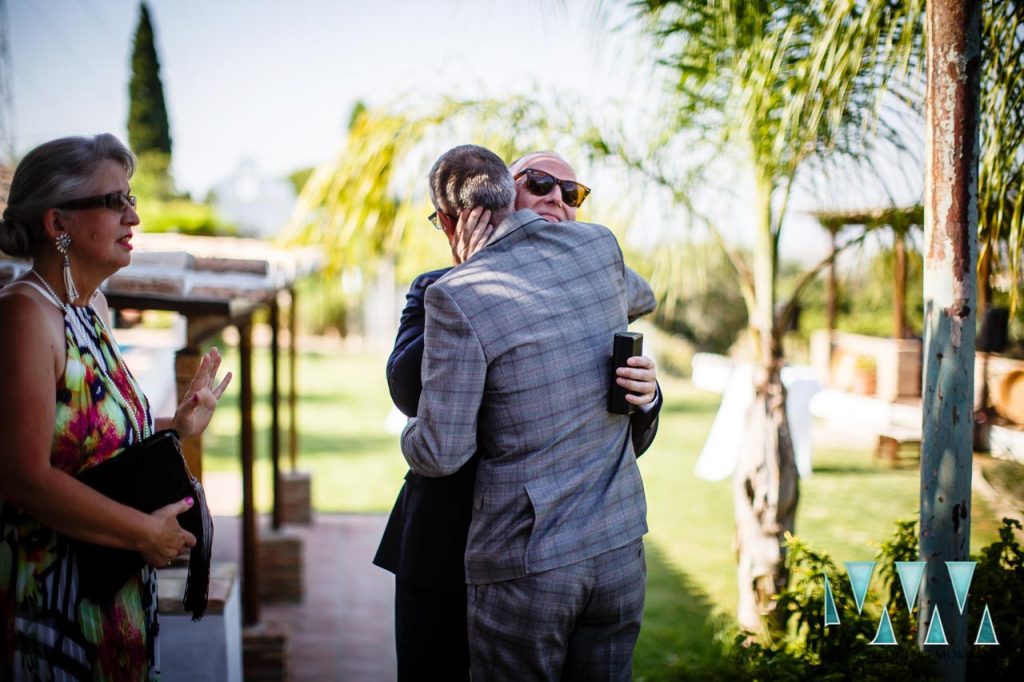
x=644 y=425
x=403 y=368
x=443 y=434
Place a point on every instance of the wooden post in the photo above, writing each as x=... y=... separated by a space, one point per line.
x=831 y=292
x=950 y=245
x=275 y=411
x=899 y=305
x=186 y=362
x=293 y=403
x=250 y=549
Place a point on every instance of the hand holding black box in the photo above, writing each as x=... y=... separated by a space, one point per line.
x=625 y=346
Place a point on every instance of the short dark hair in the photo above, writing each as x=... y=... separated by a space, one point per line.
x=468 y=176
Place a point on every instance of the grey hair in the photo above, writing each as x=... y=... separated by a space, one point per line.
x=520 y=163
x=52 y=173
x=468 y=176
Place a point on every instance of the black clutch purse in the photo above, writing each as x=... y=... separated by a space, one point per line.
x=148 y=475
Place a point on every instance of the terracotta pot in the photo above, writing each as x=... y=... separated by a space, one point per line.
x=1008 y=398
x=863 y=382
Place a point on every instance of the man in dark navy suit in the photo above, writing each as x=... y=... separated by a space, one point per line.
x=425 y=538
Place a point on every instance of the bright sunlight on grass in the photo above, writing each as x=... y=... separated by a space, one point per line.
x=847 y=508
x=356 y=465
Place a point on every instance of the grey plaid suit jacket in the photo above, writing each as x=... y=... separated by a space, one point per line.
x=517 y=363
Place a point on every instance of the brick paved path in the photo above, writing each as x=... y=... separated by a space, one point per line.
x=344 y=629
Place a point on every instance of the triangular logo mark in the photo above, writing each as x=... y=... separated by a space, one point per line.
x=831 y=614
x=859 y=573
x=987 y=631
x=960 y=573
x=910 y=573
x=884 y=636
x=936 y=633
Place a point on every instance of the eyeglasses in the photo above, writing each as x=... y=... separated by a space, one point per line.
x=435 y=220
x=540 y=184
x=115 y=201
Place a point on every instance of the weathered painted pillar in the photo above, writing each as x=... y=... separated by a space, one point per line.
x=951 y=228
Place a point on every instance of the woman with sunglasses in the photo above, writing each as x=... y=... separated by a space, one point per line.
x=425 y=538
x=69 y=403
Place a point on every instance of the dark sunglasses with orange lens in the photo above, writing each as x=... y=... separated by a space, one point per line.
x=540 y=184
x=115 y=201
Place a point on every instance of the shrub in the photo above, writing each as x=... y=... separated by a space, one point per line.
x=798 y=646
x=999 y=583
x=184 y=216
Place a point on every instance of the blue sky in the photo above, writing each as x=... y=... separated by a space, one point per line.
x=274 y=81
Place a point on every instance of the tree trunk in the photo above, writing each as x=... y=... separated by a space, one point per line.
x=983 y=412
x=765 y=493
x=984 y=281
x=831 y=292
x=765 y=481
x=951 y=222
x=900 y=329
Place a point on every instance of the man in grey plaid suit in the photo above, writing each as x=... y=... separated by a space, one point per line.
x=517 y=364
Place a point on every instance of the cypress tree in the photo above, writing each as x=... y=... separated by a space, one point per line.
x=148 y=129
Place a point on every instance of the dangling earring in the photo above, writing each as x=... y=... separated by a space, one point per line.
x=63 y=244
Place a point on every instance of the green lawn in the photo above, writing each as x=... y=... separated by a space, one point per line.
x=356 y=465
x=847 y=507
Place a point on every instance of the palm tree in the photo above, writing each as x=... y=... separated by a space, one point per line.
x=1001 y=167
x=366 y=207
x=793 y=85
x=370 y=201
x=1001 y=171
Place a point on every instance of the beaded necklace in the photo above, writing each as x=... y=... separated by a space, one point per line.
x=81 y=334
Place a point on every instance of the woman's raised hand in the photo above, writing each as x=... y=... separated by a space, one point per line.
x=200 y=400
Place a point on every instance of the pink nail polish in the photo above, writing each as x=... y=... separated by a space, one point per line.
x=190 y=501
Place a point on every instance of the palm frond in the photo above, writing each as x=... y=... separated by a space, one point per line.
x=1001 y=166
x=795 y=84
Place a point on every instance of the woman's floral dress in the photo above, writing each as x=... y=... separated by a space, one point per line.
x=48 y=630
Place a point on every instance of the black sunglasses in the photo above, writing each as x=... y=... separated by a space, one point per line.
x=115 y=201
x=540 y=184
